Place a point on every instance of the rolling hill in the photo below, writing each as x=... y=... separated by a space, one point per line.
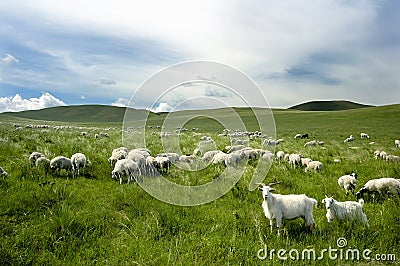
x=110 y=114
x=290 y=121
x=75 y=113
x=328 y=106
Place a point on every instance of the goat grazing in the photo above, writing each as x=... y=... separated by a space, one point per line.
x=348 y=182
x=381 y=186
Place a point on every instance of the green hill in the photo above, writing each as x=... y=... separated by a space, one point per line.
x=328 y=106
x=289 y=121
x=77 y=113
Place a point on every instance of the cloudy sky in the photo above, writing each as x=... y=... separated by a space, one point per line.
x=100 y=52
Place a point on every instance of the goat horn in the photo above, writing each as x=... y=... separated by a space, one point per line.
x=262 y=184
x=274 y=183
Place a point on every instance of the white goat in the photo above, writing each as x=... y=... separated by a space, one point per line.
x=34 y=156
x=236 y=141
x=43 y=162
x=251 y=154
x=348 y=182
x=280 y=155
x=397 y=143
x=162 y=164
x=270 y=142
x=381 y=186
x=267 y=156
x=104 y=135
x=78 y=161
x=364 y=136
x=120 y=149
x=219 y=158
x=392 y=158
x=380 y=154
x=294 y=159
x=136 y=157
x=143 y=151
x=347 y=210
x=349 y=139
x=311 y=143
x=149 y=169
x=209 y=155
x=286 y=207
x=125 y=167
x=117 y=155
x=61 y=162
x=187 y=159
x=314 y=165
x=233 y=159
x=383 y=155
x=231 y=149
x=305 y=161
x=172 y=156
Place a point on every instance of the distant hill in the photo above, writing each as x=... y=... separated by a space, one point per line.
x=328 y=106
x=75 y=113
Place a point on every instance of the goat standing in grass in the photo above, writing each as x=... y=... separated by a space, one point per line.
x=347 y=210
x=287 y=207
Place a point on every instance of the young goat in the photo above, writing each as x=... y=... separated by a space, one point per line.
x=347 y=210
x=279 y=207
x=348 y=182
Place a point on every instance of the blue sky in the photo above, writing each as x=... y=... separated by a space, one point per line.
x=85 y=52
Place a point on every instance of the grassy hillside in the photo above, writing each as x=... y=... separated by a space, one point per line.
x=79 y=113
x=55 y=219
x=103 y=113
x=328 y=106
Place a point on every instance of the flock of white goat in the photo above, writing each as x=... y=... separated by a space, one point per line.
x=135 y=163
x=139 y=162
x=74 y=164
x=280 y=207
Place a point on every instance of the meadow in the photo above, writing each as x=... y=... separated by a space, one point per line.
x=53 y=219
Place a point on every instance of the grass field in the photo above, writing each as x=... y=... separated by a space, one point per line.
x=54 y=220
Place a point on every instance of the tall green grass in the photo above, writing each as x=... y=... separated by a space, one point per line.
x=60 y=220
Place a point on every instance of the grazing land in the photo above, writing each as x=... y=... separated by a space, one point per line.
x=57 y=219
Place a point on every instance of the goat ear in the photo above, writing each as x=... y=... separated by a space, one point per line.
x=271 y=189
x=260 y=188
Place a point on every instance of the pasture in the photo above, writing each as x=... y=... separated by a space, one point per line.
x=56 y=219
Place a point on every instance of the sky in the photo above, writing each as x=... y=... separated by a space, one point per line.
x=101 y=52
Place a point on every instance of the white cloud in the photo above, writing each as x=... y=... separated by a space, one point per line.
x=121 y=102
x=83 y=97
x=161 y=108
x=8 y=59
x=107 y=82
x=217 y=92
x=16 y=103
